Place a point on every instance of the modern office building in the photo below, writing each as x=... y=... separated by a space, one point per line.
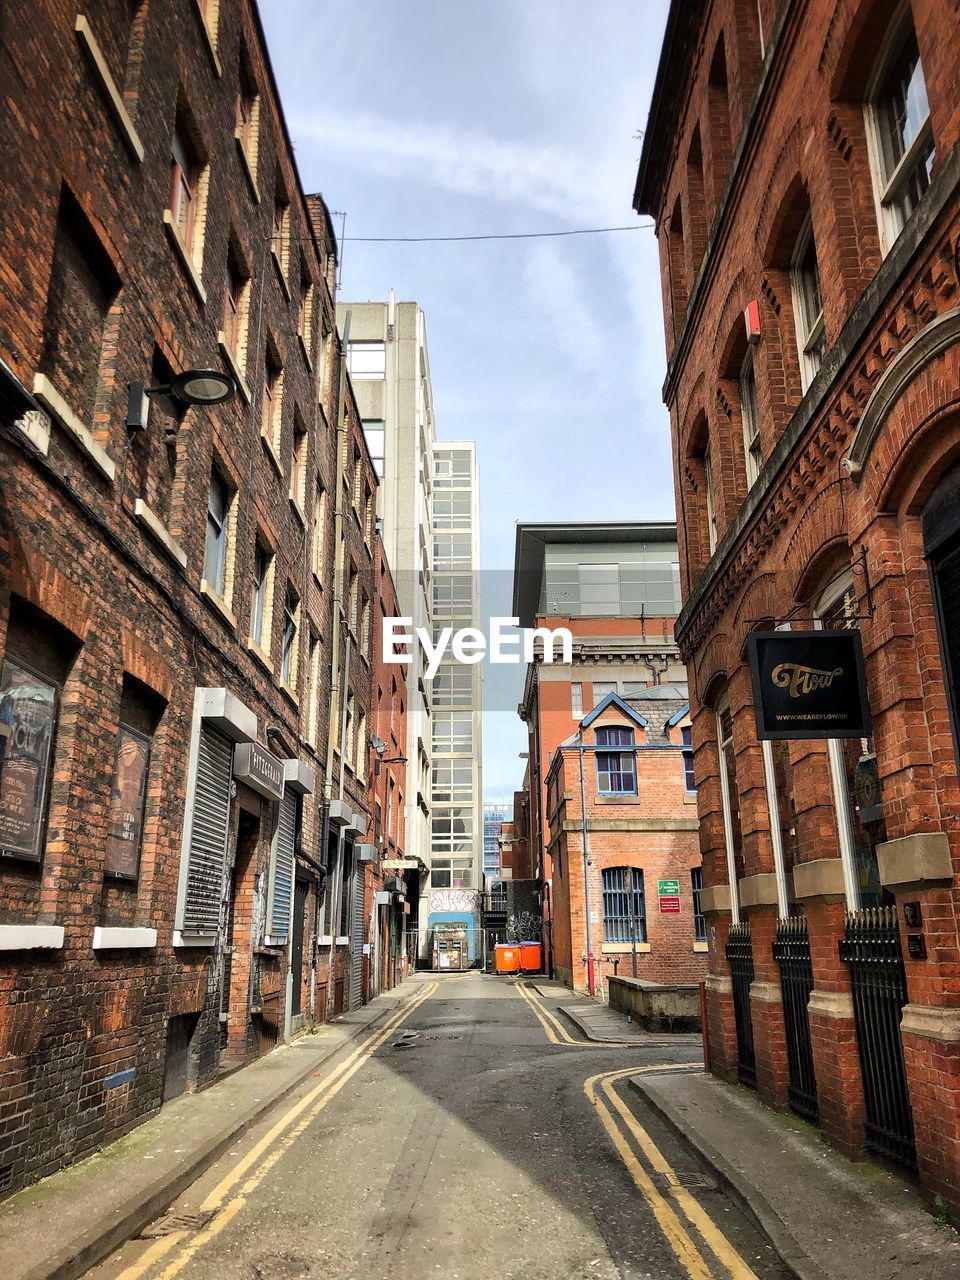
x=495 y=814
x=450 y=903
x=390 y=372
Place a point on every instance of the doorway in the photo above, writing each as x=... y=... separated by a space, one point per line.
x=301 y=890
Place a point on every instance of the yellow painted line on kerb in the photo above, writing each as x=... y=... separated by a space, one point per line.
x=265 y=1153
x=562 y=1035
x=677 y=1236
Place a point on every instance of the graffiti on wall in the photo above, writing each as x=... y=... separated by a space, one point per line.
x=463 y=900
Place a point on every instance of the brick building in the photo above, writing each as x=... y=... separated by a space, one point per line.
x=615 y=587
x=618 y=805
x=801 y=165
x=515 y=859
x=180 y=605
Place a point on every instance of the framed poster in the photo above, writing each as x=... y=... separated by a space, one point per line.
x=809 y=684
x=28 y=716
x=128 y=795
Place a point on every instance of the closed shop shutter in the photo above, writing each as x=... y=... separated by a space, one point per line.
x=281 y=872
x=208 y=833
x=356 y=941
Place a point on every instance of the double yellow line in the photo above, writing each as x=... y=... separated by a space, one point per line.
x=556 y=1032
x=683 y=1244
x=226 y=1200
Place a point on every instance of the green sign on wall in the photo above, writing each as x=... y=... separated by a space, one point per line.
x=668 y=888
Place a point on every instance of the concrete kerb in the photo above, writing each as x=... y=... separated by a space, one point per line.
x=123 y=1219
x=746 y=1196
x=637 y=1039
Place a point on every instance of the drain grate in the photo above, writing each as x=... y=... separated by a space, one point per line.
x=171 y=1222
x=6 y=1176
x=689 y=1180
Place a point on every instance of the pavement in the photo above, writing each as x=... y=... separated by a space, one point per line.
x=603 y=1025
x=69 y=1221
x=828 y=1217
x=471 y=1133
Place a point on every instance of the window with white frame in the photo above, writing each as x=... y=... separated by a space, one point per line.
x=730 y=793
x=616 y=762
x=291 y=622
x=451 y=873
x=602 y=689
x=453 y=685
x=367 y=360
x=451 y=831
x=807 y=303
x=576 y=700
x=260 y=596
x=898 y=115
x=452 y=783
x=752 y=450
x=215 y=546
x=710 y=500
x=453 y=732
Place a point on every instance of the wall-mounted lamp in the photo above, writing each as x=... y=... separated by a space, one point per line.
x=193 y=386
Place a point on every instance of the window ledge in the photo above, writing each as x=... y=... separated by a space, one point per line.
x=105 y=939
x=272 y=452
x=247 y=167
x=183 y=253
x=617 y=797
x=625 y=948
x=35 y=425
x=261 y=655
x=181 y=939
x=281 y=275
x=217 y=603
x=90 y=47
x=31 y=937
x=231 y=360
x=273 y=941
x=305 y=351
x=160 y=533
x=701 y=948
x=52 y=400
x=210 y=39
x=298 y=509
x=291 y=692
x=325 y=939
x=343 y=942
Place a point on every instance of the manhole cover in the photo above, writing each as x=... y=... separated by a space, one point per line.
x=171 y=1222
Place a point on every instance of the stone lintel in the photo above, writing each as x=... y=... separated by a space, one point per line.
x=931 y=1022
x=831 y=1004
x=766 y=993
x=759 y=890
x=822 y=878
x=920 y=861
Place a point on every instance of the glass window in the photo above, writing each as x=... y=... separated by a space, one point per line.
x=807 y=303
x=233 y=298
x=901 y=125
x=453 y=686
x=270 y=416
x=374 y=430
x=689 y=776
x=261 y=565
x=288 y=659
x=752 y=449
x=28 y=714
x=602 y=689
x=184 y=185
x=730 y=791
x=699 y=919
x=624 y=909
x=616 y=769
x=710 y=499
x=215 y=548
x=367 y=360
x=453 y=732
x=576 y=700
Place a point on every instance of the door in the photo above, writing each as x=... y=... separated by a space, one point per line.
x=301 y=889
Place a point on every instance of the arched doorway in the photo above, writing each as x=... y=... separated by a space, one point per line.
x=941 y=537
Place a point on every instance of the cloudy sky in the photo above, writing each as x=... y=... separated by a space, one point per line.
x=441 y=117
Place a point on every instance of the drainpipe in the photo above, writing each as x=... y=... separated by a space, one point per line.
x=337 y=616
x=591 y=987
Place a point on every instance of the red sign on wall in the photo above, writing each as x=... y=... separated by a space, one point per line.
x=670 y=906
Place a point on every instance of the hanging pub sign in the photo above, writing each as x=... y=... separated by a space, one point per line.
x=809 y=684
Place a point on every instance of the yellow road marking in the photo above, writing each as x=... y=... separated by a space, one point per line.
x=540 y=1014
x=692 y=1211
x=277 y=1138
x=673 y=1230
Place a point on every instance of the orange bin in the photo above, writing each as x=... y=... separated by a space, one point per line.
x=531 y=957
x=508 y=957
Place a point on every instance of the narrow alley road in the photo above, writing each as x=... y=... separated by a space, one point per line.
x=473 y=1135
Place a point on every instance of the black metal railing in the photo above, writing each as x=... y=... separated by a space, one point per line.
x=871 y=947
x=740 y=959
x=791 y=950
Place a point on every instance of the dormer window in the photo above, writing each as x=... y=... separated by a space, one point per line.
x=616 y=762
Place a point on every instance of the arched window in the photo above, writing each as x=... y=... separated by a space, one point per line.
x=730 y=800
x=676 y=267
x=710 y=500
x=807 y=302
x=750 y=418
x=696 y=203
x=898 y=122
x=718 y=99
x=941 y=538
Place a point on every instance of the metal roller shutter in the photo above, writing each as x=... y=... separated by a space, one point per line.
x=281 y=871
x=208 y=833
x=356 y=940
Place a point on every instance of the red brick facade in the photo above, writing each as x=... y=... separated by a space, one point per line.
x=154 y=222
x=837 y=498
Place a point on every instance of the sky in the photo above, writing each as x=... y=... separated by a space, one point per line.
x=442 y=117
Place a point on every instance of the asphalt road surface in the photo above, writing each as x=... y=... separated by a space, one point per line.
x=474 y=1135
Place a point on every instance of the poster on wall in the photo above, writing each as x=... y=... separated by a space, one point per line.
x=809 y=684
x=28 y=709
x=127 y=797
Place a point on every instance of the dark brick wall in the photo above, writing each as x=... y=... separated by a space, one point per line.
x=93 y=302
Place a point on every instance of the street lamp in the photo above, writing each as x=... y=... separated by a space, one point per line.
x=191 y=387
